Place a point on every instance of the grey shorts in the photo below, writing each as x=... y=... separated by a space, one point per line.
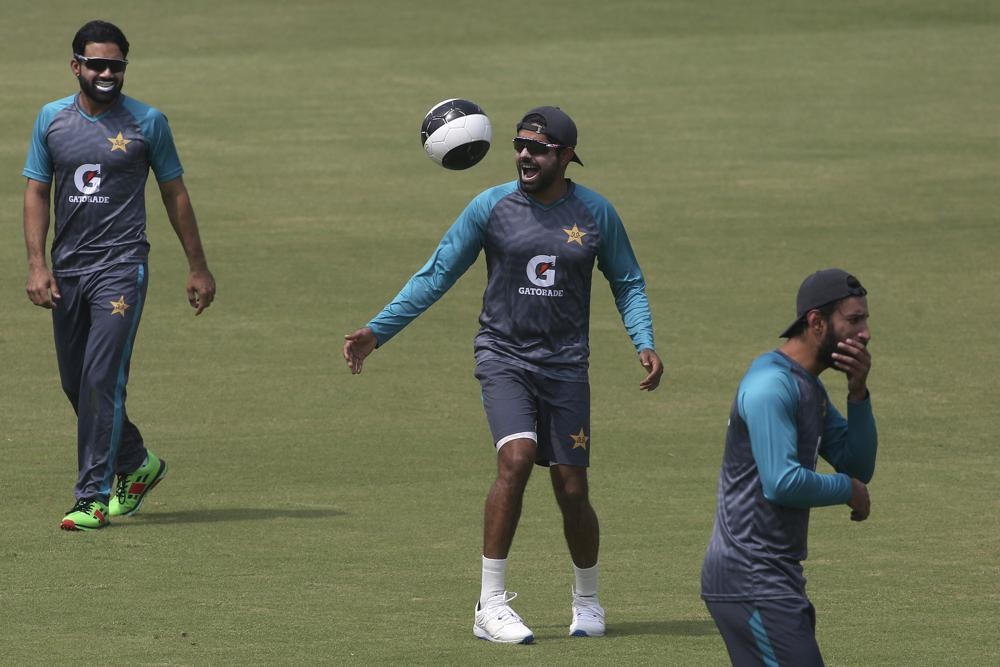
x=766 y=633
x=523 y=404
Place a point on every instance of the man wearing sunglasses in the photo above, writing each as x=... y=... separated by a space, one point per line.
x=781 y=421
x=96 y=148
x=542 y=235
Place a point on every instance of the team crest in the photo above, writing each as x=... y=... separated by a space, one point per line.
x=580 y=440
x=119 y=307
x=119 y=143
x=575 y=235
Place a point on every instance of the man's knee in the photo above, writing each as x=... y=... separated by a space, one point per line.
x=515 y=460
x=570 y=486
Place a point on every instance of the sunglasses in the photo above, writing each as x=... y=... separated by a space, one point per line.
x=534 y=146
x=101 y=64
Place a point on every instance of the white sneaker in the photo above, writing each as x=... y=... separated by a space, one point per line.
x=497 y=622
x=588 y=617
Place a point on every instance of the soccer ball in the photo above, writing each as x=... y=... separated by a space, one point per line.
x=456 y=133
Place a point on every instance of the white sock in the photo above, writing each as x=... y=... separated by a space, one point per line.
x=586 y=580
x=494 y=576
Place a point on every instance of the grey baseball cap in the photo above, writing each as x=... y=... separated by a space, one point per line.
x=821 y=288
x=558 y=127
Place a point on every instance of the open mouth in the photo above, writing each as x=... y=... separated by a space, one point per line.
x=105 y=86
x=529 y=170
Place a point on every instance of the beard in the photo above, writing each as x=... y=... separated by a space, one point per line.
x=544 y=179
x=828 y=347
x=90 y=89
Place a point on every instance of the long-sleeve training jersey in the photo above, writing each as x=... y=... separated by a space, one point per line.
x=781 y=421
x=539 y=264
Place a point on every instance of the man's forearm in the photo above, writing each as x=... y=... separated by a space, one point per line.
x=182 y=218
x=36 y=222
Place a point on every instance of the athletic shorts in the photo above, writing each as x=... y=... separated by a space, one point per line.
x=769 y=633
x=523 y=404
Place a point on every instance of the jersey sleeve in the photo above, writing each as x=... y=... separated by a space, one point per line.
x=456 y=252
x=617 y=261
x=850 y=445
x=767 y=404
x=163 y=158
x=38 y=165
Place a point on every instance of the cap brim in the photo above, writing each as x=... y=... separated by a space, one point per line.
x=787 y=333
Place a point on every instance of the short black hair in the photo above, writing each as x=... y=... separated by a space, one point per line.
x=825 y=311
x=536 y=119
x=99 y=31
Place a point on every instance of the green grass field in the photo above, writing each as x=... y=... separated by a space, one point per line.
x=312 y=517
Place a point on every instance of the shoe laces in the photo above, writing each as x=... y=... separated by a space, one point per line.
x=121 y=492
x=83 y=505
x=499 y=608
x=588 y=607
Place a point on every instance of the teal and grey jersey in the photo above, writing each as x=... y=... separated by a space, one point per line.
x=98 y=167
x=539 y=265
x=781 y=421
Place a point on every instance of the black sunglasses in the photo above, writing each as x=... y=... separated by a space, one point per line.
x=534 y=146
x=100 y=64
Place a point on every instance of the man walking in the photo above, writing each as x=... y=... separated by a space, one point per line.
x=97 y=147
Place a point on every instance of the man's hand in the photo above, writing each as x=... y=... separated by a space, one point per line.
x=853 y=358
x=42 y=288
x=359 y=345
x=200 y=289
x=860 y=502
x=650 y=360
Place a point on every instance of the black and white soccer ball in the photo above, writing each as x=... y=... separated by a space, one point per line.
x=456 y=133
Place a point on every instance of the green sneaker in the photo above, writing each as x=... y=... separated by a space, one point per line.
x=133 y=487
x=87 y=514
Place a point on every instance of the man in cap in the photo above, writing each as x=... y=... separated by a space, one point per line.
x=541 y=234
x=781 y=421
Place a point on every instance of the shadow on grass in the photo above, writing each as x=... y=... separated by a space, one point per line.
x=235 y=514
x=692 y=628
x=683 y=628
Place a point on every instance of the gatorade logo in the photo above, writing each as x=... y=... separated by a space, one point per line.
x=542 y=270
x=87 y=178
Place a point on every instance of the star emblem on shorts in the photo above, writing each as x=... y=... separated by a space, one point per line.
x=580 y=439
x=575 y=235
x=119 y=143
x=119 y=307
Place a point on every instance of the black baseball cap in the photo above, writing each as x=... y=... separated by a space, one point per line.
x=822 y=288
x=558 y=127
